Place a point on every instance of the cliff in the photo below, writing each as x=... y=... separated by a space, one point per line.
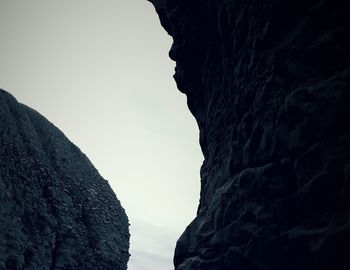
x=269 y=85
x=56 y=211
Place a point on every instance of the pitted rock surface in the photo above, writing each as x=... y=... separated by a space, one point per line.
x=269 y=85
x=56 y=211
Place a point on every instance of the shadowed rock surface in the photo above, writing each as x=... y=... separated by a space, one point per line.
x=268 y=83
x=56 y=211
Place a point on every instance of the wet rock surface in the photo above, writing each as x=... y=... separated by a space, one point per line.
x=56 y=211
x=269 y=85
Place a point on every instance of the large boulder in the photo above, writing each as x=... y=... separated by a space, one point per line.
x=56 y=211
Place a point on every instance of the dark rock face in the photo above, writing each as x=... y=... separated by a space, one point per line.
x=269 y=84
x=56 y=211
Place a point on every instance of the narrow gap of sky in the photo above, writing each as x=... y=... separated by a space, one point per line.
x=99 y=71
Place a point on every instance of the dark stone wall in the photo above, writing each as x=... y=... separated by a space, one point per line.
x=56 y=211
x=269 y=85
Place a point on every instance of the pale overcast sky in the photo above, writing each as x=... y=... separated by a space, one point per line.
x=99 y=70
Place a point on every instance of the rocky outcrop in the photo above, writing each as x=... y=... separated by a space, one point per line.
x=269 y=85
x=56 y=211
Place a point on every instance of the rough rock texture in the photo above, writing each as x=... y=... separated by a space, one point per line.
x=56 y=211
x=269 y=84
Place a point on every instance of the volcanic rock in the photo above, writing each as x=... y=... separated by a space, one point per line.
x=56 y=211
x=269 y=85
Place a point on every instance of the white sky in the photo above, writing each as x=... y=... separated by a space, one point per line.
x=99 y=70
